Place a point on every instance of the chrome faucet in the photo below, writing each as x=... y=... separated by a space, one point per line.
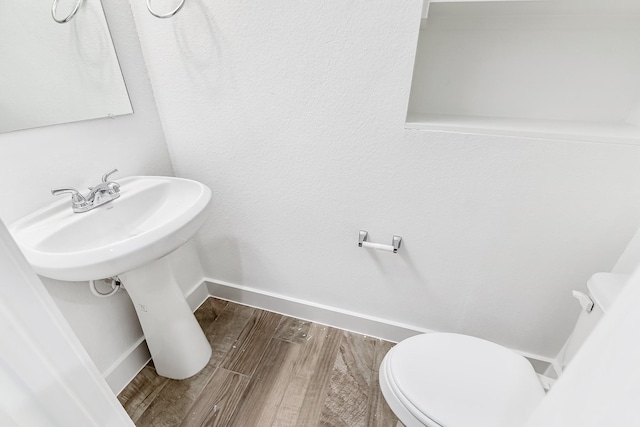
x=102 y=193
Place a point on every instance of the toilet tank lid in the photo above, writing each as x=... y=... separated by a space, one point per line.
x=605 y=287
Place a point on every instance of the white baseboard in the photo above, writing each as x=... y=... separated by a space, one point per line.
x=318 y=313
x=343 y=319
x=127 y=367
x=197 y=295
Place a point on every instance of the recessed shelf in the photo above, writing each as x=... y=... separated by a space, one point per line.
x=560 y=70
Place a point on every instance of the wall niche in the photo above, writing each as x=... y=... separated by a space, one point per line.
x=564 y=69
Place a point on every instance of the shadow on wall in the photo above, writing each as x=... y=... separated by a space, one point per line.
x=222 y=256
x=107 y=327
x=198 y=42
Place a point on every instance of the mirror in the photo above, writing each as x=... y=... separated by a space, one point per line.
x=54 y=73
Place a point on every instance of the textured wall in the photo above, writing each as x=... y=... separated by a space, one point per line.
x=77 y=154
x=293 y=112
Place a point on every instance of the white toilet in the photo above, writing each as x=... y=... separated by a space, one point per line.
x=453 y=380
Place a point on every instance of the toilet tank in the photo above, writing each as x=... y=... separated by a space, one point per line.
x=603 y=290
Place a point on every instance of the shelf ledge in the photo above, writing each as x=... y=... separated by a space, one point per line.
x=618 y=133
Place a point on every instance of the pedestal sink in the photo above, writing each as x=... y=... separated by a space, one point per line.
x=128 y=237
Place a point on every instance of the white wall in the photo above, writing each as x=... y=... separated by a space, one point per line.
x=293 y=114
x=32 y=162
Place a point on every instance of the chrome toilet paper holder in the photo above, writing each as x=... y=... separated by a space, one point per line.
x=393 y=247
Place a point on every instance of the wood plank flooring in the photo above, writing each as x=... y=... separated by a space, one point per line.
x=267 y=370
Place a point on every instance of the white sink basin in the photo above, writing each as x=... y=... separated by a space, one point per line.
x=152 y=217
x=129 y=237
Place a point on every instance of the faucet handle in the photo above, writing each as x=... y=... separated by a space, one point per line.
x=114 y=187
x=105 y=177
x=76 y=197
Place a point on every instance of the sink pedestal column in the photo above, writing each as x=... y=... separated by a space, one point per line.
x=177 y=344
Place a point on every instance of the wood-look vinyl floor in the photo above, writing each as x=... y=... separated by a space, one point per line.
x=267 y=370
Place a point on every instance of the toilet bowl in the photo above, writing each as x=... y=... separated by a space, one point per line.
x=443 y=380
x=453 y=380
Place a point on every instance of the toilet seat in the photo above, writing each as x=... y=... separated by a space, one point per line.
x=453 y=380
